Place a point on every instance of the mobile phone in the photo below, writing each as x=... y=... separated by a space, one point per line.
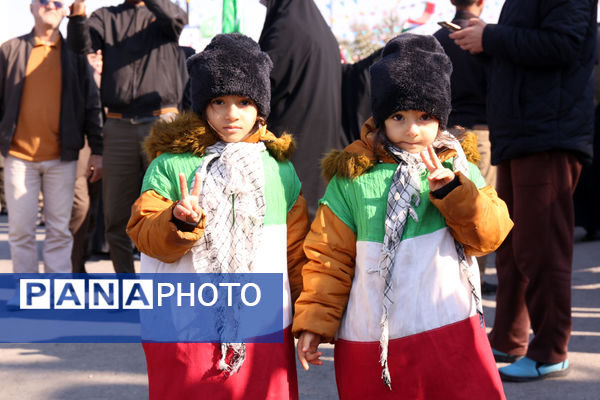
x=450 y=26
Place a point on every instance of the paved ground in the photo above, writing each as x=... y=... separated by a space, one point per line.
x=118 y=371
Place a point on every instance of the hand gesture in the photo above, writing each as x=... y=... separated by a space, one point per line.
x=308 y=346
x=439 y=176
x=78 y=7
x=471 y=37
x=187 y=209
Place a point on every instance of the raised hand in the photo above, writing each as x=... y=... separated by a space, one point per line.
x=78 y=7
x=308 y=346
x=439 y=176
x=188 y=209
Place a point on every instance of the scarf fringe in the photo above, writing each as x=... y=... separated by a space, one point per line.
x=239 y=355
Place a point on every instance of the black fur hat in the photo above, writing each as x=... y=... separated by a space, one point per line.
x=413 y=74
x=231 y=64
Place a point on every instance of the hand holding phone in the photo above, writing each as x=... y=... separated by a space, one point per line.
x=449 y=26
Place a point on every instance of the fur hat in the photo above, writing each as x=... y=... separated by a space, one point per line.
x=413 y=74
x=231 y=64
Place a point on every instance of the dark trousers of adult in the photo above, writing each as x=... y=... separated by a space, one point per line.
x=124 y=164
x=534 y=263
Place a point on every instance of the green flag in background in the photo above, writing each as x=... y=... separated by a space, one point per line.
x=231 y=22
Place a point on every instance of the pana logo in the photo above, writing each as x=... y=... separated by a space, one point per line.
x=130 y=294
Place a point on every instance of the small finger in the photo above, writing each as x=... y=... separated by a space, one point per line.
x=183 y=186
x=426 y=161
x=434 y=158
x=313 y=355
x=197 y=186
x=302 y=360
x=435 y=175
x=182 y=210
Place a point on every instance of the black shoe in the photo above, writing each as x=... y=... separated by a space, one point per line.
x=502 y=357
x=488 y=288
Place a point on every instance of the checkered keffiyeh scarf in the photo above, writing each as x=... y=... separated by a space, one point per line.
x=233 y=199
x=402 y=200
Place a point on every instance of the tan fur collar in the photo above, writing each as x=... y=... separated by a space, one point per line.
x=357 y=158
x=188 y=133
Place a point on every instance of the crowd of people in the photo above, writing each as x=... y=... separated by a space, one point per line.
x=413 y=165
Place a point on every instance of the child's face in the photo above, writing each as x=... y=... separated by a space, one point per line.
x=411 y=130
x=232 y=117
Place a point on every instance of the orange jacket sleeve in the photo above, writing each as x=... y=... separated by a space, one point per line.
x=478 y=218
x=154 y=234
x=297 y=228
x=330 y=247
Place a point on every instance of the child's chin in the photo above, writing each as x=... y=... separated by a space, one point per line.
x=414 y=149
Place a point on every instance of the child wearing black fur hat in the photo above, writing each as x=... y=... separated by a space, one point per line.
x=244 y=202
x=392 y=278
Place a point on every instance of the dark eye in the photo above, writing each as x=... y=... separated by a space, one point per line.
x=246 y=102
x=398 y=117
x=217 y=102
x=426 y=117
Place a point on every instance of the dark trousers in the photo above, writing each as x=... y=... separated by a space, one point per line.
x=124 y=164
x=534 y=263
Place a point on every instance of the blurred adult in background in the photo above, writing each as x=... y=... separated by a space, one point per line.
x=48 y=104
x=540 y=114
x=587 y=194
x=468 y=84
x=306 y=85
x=141 y=82
x=186 y=99
x=356 y=95
x=86 y=202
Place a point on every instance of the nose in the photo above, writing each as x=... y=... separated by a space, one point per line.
x=413 y=129
x=232 y=112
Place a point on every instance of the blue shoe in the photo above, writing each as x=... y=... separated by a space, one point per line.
x=527 y=369
x=504 y=357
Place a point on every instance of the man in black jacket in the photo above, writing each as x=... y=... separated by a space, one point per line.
x=141 y=82
x=540 y=114
x=48 y=102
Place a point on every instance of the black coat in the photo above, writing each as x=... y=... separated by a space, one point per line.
x=356 y=95
x=469 y=78
x=141 y=69
x=306 y=84
x=540 y=89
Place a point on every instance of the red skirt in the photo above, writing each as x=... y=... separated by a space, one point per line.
x=180 y=371
x=451 y=362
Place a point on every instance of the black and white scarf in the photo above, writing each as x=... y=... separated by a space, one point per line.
x=233 y=199
x=403 y=198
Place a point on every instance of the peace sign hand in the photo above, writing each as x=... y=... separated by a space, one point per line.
x=187 y=209
x=439 y=176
